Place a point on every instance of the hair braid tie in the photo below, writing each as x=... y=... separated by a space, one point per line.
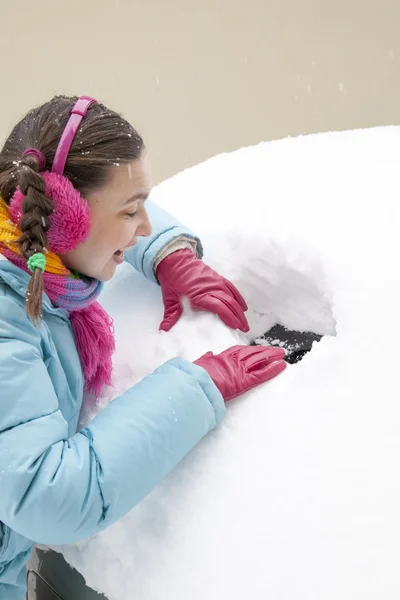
x=37 y=261
x=40 y=157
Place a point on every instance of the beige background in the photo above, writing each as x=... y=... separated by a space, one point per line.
x=199 y=77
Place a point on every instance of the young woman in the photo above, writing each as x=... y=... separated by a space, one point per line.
x=74 y=183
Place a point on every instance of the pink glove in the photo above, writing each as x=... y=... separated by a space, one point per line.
x=181 y=274
x=240 y=368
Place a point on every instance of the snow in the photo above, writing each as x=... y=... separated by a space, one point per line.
x=296 y=495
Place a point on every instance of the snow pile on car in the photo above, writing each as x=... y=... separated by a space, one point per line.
x=296 y=494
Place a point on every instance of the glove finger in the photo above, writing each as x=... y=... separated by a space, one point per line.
x=237 y=295
x=203 y=356
x=226 y=307
x=171 y=317
x=237 y=348
x=247 y=352
x=260 y=360
x=271 y=370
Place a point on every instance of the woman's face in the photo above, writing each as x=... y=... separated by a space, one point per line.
x=118 y=216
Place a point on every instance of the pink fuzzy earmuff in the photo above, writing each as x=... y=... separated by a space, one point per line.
x=70 y=220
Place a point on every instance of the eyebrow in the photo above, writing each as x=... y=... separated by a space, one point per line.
x=139 y=196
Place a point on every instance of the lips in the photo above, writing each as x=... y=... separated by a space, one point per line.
x=119 y=257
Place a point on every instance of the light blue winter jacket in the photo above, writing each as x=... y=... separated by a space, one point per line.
x=57 y=485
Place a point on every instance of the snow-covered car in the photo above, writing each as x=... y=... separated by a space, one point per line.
x=50 y=577
x=295 y=494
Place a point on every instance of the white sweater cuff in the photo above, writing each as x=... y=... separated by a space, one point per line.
x=180 y=243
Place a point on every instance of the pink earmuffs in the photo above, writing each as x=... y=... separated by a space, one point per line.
x=70 y=220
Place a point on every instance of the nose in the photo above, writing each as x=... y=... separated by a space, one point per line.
x=145 y=228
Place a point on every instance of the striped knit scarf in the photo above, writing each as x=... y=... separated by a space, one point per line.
x=93 y=328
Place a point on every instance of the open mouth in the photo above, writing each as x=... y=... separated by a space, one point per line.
x=119 y=256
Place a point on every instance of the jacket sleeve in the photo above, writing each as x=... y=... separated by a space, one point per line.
x=165 y=229
x=57 y=490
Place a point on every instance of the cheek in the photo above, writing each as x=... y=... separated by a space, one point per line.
x=117 y=233
x=114 y=236
x=102 y=234
x=106 y=237
x=88 y=254
x=127 y=230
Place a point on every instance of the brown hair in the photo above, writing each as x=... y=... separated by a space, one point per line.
x=103 y=138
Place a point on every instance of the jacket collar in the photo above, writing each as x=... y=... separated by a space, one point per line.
x=18 y=280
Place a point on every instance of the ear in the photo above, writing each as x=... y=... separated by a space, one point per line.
x=70 y=221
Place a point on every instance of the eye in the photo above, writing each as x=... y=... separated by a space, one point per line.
x=131 y=215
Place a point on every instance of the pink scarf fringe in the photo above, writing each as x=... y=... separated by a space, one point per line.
x=95 y=342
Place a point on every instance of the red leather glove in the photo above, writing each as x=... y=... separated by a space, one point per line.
x=181 y=274
x=241 y=368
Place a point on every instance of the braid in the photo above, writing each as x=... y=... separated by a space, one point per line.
x=36 y=208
